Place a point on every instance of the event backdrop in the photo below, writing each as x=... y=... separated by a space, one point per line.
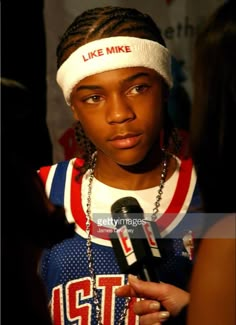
x=179 y=21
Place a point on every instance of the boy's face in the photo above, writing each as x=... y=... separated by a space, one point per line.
x=121 y=112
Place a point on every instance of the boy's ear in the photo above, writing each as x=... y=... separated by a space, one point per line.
x=75 y=115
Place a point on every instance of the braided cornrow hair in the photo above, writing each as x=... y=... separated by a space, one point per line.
x=102 y=22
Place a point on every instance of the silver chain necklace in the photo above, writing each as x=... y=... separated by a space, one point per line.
x=89 y=239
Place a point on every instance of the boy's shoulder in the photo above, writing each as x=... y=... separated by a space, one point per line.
x=60 y=169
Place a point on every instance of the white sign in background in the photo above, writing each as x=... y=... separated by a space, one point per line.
x=178 y=20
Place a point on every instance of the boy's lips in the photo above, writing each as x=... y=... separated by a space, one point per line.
x=125 y=141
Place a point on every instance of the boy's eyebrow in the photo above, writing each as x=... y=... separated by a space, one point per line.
x=89 y=87
x=135 y=76
x=128 y=79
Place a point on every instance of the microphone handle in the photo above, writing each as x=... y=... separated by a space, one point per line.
x=148 y=273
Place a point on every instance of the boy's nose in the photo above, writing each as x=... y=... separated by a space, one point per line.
x=119 y=110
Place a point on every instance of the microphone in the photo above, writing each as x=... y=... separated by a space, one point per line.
x=134 y=240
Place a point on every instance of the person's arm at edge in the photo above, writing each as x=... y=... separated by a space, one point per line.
x=213 y=280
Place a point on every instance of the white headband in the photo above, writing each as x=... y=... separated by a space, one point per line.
x=113 y=53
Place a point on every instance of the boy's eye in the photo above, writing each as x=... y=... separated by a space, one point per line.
x=138 y=89
x=93 y=99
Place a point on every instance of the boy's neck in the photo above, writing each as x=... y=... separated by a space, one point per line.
x=133 y=178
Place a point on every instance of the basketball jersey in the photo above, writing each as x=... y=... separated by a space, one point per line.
x=65 y=267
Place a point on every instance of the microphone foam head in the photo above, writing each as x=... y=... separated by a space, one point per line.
x=125 y=207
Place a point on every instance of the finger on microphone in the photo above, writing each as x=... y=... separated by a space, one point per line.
x=125 y=291
x=137 y=288
x=146 y=289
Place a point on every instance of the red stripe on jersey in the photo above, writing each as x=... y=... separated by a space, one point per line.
x=179 y=196
x=43 y=173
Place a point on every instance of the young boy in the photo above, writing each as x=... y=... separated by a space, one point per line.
x=114 y=71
